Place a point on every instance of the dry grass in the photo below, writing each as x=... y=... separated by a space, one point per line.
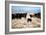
x=22 y=23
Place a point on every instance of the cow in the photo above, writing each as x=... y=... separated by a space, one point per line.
x=19 y=15
x=29 y=20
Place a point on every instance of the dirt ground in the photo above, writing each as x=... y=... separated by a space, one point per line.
x=22 y=23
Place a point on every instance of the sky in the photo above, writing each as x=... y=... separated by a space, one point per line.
x=25 y=9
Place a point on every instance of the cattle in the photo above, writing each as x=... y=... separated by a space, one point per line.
x=29 y=20
x=19 y=15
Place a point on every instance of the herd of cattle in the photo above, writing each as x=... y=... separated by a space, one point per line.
x=26 y=20
x=20 y=15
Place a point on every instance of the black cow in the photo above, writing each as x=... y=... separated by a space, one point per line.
x=19 y=15
x=29 y=20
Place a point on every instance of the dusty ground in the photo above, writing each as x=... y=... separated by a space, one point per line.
x=22 y=23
